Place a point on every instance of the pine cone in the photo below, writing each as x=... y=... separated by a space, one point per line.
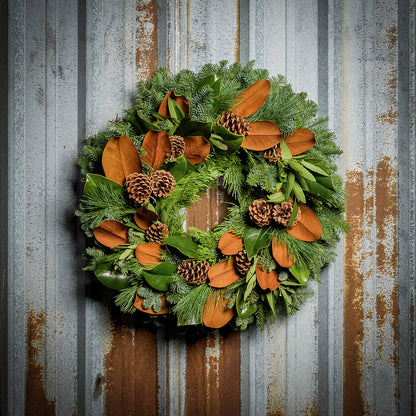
x=273 y=154
x=282 y=212
x=177 y=147
x=242 y=263
x=234 y=123
x=138 y=187
x=157 y=232
x=163 y=183
x=195 y=272
x=260 y=212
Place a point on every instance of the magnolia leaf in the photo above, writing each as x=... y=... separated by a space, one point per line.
x=263 y=135
x=325 y=181
x=222 y=274
x=175 y=111
x=256 y=238
x=230 y=244
x=97 y=184
x=313 y=167
x=160 y=276
x=138 y=304
x=290 y=182
x=178 y=167
x=266 y=279
x=217 y=142
x=184 y=244
x=270 y=300
x=308 y=228
x=196 y=149
x=244 y=310
x=140 y=125
x=286 y=154
x=157 y=146
x=281 y=254
x=294 y=213
x=317 y=188
x=300 y=141
x=233 y=141
x=179 y=99
x=277 y=197
x=149 y=254
x=300 y=271
x=251 y=99
x=188 y=127
x=251 y=280
x=117 y=281
x=144 y=217
x=299 y=193
x=111 y=233
x=120 y=158
x=295 y=165
x=215 y=313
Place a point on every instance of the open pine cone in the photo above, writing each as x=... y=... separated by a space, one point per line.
x=157 y=232
x=177 y=147
x=163 y=183
x=195 y=272
x=282 y=212
x=234 y=123
x=242 y=263
x=273 y=154
x=138 y=186
x=260 y=212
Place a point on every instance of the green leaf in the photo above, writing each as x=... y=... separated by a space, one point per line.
x=286 y=155
x=217 y=142
x=251 y=280
x=256 y=238
x=290 y=182
x=158 y=115
x=244 y=309
x=286 y=297
x=188 y=127
x=313 y=167
x=233 y=141
x=277 y=198
x=293 y=214
x=289 y=283
x=317 y=188
x=212 y=81
x=97 y=183
x=117 y=281
x=300 y=271
x=325 y=181
x=178 y=168
x=175 y=111
x=161 y=276
x=270 y=300
x=184 y=244
x=295 y=165
x=140 y=125
x=299 y=193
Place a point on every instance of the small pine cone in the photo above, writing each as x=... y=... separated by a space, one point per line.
x=163 y=183
x=157 y=232
x=138 y=186
x=193 y=271
x=282 y=212
x=235 y=123
x=273 y=154
x=177 y=147
x=260 y=212
x=242 y=263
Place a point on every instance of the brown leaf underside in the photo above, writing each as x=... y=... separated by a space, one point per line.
x=251 y=99
x=222 y=274
x=180 y=99
x=215 y=313
x=230 y=244
x=308 y=228
x=157 y=146
x=138 y=304
x=266 y=279
x=263 y=135
x=281 y=253
x=144 y=217
x=300 y=141
x=196 y=149
x=111 y=233
x=148 y=254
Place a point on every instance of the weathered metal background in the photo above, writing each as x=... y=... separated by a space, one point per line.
x=66 y=68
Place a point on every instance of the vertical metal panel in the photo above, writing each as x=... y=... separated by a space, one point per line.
x=72 y=67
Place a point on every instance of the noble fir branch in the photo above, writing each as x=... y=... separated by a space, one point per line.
x=234 y=178
x=125 y=299
x=150 y=299
x=243 y=323
x=178 y=289
x=263 y=175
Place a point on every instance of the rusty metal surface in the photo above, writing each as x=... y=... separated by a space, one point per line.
x=71 y=67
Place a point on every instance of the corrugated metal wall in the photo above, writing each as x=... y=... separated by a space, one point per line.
x=66 y=68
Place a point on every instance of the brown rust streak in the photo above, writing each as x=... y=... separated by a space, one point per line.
x=238 y=34
x=353 y=298
x=146 y=38
x=386 y=253
x=131 y=372
x=36 y=402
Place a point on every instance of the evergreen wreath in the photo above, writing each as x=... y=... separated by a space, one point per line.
x=263 y=143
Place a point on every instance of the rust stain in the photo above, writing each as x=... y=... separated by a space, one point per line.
x=238 y=34
x=131 y=372
x=387 y=254
x=412 y=366
x=388 y=117
x=146 y=38
x=275 y=413
x=353 y=403
x=312 y=410
x=392 y=37
x=36 y=401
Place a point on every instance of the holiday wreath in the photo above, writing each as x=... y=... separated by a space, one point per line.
x=227 y=125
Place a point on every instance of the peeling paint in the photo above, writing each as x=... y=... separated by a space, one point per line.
x=392 y=37
x=36 y=401
x=131 y=372
x=388 y=116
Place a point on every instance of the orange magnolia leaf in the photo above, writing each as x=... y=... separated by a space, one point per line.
x=230 y=244
x=281 y=253
x=263 y=135
x=222 y=274
x=196 y=149
x=300 y=141
x=138 y=304
x=120 y=158
x=180 y=99
x=148 y=254
x=266 y=279
x=144 y=217
x=111 y=233
x=252 y=98
x=215 y=313
x=157 y=146
x=308 y=228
